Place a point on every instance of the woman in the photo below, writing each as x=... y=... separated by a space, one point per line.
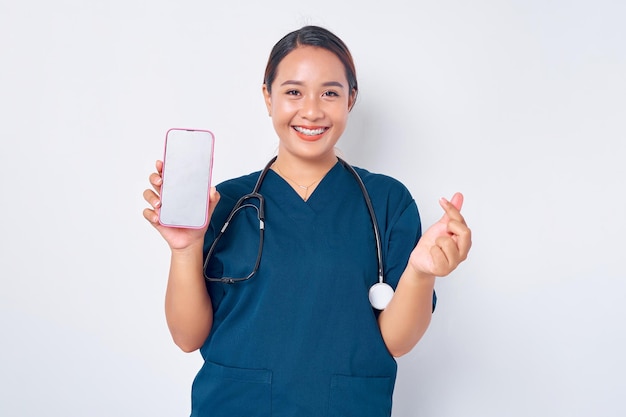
x=300 y=338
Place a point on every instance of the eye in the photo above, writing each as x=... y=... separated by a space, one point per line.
x=292 y=92
x=331 y=93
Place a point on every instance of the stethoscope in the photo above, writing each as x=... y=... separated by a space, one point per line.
x=379 y=294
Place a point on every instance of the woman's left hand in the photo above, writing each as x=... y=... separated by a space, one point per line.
x=445 y=244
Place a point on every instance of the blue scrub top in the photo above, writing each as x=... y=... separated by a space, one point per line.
x=300 y=338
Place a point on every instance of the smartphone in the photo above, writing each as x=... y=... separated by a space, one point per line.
x=187 y=166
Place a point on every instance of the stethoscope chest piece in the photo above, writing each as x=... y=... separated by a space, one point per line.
x=380 y=295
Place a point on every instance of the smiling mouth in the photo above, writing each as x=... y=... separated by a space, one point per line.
x=310 y=132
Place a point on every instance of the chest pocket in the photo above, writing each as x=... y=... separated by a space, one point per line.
x=352 y=396
x=220 y=391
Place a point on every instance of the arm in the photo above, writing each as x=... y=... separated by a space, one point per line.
x=188 y=308
x=439 y=251
x=406 y=318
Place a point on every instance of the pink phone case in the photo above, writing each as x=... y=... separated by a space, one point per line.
x=165 y=191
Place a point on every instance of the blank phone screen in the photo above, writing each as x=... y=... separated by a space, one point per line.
x=186 y=178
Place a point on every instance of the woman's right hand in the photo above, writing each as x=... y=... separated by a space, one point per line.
x=176 y=237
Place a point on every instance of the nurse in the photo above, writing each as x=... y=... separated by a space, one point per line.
x=300 y=337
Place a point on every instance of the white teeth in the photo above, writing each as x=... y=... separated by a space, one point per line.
x=310 y=132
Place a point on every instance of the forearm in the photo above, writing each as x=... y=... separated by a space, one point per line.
x=188 y=307
x=406 y=318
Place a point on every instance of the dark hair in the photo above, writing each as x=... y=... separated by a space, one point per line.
x=311 y=36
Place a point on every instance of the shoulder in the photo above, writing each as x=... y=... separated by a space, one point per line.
x=235 y=188
x=230 y=192
x=384 y=186
x=391 y=199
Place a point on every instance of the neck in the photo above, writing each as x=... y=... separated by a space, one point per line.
x=303 y=176
x=303 y=172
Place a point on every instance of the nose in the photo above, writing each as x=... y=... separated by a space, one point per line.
x=312 y=108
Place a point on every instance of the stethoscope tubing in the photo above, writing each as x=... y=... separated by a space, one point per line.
x=255 y=194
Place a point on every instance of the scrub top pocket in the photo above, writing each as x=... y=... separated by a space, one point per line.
x=221 y=391
x=352 y=396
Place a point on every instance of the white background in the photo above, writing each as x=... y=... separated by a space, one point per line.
x=519 y=104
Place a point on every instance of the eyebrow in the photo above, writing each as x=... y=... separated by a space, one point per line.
x=326 y=84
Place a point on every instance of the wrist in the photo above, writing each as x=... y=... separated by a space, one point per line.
x=191 y=250
x=420 y=277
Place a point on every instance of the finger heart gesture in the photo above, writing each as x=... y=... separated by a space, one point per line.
x=446 y=243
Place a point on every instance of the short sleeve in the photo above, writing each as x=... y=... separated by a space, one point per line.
x=401 y=227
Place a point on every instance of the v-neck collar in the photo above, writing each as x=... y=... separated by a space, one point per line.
x=285 y=195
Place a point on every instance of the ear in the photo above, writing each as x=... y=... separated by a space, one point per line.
x=268 y=99
x=352 y=99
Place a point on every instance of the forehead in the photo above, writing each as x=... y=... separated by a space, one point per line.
x=311 y=62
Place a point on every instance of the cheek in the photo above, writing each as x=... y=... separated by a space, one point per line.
x=341 y=114
x=284 y=109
